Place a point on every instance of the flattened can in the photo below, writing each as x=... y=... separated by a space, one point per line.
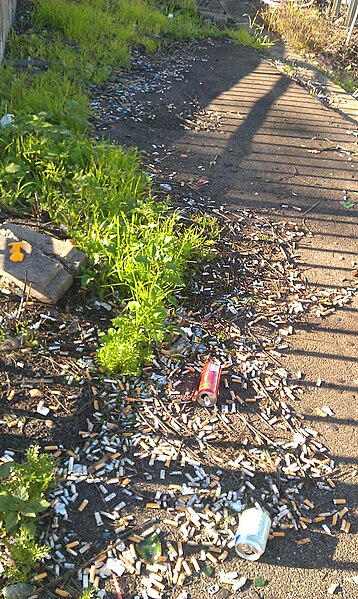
x=208 y=389
x=252 y=533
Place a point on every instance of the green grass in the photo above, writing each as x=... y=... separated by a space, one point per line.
x=346 y=79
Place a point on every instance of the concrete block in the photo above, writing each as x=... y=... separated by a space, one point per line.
x=46 y=265
x=71 y=258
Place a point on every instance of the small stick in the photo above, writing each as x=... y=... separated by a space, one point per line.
x=311 y=208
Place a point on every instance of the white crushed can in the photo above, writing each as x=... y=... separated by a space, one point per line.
x=252 y=533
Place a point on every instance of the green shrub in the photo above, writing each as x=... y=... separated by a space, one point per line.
x=22 y=498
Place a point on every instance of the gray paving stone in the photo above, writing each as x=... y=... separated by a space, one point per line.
x=72 y=258
x=48 y=264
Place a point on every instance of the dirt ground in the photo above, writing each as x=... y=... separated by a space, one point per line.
x=231 y=128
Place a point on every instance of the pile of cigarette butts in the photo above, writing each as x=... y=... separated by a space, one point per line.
x=202 y=457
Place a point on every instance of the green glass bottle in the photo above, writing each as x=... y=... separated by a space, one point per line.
x=150 y=548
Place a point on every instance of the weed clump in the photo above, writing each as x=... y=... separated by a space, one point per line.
x=22 y=499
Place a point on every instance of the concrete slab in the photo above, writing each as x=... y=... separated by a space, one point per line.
x=43 y=265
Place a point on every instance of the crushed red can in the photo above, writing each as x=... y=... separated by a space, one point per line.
x=208 y=389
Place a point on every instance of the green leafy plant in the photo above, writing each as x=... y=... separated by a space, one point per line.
x=253 y=36
x=98 y=193
x=89 y=593
x=22 y=555
x=22 y=489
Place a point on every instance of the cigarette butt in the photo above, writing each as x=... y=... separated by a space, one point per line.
x=319 y=519
x=135 y=538
x=62 y=593
x=95 y=404
x=212 y=557
x=336 y=501
x=303 y=541
x=187 y=568
x=171 y=522
x=309 y=503
x=72 y=544
x=39 y=576
x=72 y=454
x=83 y=505
x=278 y=534
x=195 y=563
x=57 y=454
x=342 y=512
x=92 y=573
x=181 y=579
x=331 y=483
x=306 y=520
x=152 y=506
x=179 y=563
x=347 y=527
x=114 y=456
x=222 y=557
x=50 y=447
x=334 y=519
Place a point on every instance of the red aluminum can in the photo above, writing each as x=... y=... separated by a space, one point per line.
x=208 y=389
